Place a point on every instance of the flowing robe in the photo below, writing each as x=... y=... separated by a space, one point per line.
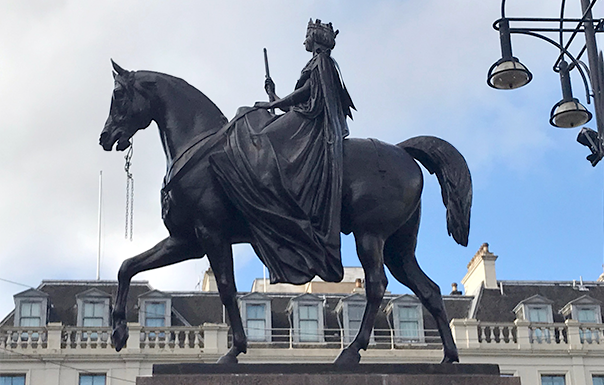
x=284 y=174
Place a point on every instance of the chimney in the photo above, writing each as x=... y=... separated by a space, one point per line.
x=358 y=286
x=481 y=271
x=209 y=281
x=454 y=290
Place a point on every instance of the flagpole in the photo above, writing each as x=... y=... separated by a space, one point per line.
x=100 y=228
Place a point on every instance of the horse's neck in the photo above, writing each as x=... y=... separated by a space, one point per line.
x=186 y=115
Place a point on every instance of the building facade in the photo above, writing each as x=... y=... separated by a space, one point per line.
x=548 y=333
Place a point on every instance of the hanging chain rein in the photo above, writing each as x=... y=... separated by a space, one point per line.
x=129 y=193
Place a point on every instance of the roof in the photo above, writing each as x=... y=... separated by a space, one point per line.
x=497 y=305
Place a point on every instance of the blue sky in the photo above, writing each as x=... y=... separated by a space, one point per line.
x=412 y=68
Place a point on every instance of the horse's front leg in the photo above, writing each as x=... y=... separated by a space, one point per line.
x=167 y=252
x=220 y=255
x=370 y=251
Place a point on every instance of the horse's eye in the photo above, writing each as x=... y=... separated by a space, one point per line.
x=118 y=94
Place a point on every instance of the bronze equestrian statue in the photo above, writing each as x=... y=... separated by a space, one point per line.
x=288 y=185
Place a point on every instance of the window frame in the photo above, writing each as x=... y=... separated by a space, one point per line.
x=343 y=310
x=31 y=296
x=393 y=311
x=597 y=375
x=552 y=375
x=294 y=310
x=255 y=299
x=13 y=375
x=94 y=375
x=155 y=297
x=93 y=296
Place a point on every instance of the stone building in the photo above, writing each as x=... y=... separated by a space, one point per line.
x=548 y=333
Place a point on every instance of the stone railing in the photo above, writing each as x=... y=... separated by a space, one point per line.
x=473 y=334
x=209 y=338
x=215 y=338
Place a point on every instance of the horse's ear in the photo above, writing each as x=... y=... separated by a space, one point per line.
x=117 y=68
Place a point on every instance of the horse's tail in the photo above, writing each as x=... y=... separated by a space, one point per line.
x=440 y=157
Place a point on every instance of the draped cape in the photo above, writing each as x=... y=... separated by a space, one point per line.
x=284 y=174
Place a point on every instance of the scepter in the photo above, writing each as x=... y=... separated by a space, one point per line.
x=267 y=73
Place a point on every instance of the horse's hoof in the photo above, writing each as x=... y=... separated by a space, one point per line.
x=348 y=357
x=450 y=358
x=228 y=359
x=119 y=336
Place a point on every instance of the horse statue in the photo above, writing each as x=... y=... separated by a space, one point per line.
x=382 y=186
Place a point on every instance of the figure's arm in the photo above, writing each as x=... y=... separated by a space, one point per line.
x=296 y=97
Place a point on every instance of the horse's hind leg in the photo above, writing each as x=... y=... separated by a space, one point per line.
x=167 y=252
x=370 y=251
x=399 y=255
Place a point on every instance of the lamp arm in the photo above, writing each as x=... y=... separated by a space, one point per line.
x=575 y=62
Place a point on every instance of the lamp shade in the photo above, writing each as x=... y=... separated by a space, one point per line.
x=569 y=114
x=508 y=74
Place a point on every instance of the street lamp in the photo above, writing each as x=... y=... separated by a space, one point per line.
x=508 y=73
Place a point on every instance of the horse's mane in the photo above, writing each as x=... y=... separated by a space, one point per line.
x=201 y=102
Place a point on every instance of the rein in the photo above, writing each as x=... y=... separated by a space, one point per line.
x=211 y=139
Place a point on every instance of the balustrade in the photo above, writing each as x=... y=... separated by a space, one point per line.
x=180 y=337
x=213 y=338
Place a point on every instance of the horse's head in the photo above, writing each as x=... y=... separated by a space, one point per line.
x=130 y=110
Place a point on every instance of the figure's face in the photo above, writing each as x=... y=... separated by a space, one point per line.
x=129 y=112
x=308 y=43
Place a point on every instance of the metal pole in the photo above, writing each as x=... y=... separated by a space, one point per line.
x=98 y=259
x=594 y=69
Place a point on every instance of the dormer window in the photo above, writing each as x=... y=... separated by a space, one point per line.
x=31 y=308
x=407 y=318
x=155 y=309
x=307 y=317
x=256 y=316
x=536 y=309
x=93 y=308
x=350 y=314
x=583 y=309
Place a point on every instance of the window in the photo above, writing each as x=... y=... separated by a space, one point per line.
x=538 y=310
x=350 y=311
x=30 y=314
x=92 y=379
x=587 y=314
x=155 y=314
x=309 y=322
x=155 y=309
x=355 y=316
x=30 y=308
x=93 y=314
x=306 y=312
x=93 y=308
x=408 y=324
x=255 y=321
x=256 y=316
x=539 y=314
x=552 y=380
x=407 y=319
x=598 y=380
x=12 y=379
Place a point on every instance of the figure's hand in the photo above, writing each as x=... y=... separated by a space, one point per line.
x=265 y=105
x=269 y=86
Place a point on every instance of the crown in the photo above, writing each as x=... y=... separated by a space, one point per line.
x=325 y=28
